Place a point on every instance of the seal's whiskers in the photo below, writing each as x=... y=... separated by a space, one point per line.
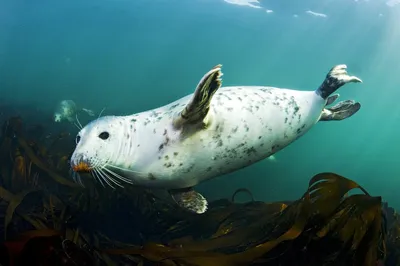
x=75 y=124
x=78 y=123
x=143 y=174
x=124 y=179
x=97 y=176
x=76 y=177
x=101 y=113
x=108 y=177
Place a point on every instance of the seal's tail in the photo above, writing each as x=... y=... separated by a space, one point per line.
x=89 y=112
x=335 y=79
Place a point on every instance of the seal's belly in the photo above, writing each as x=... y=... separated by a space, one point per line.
x=247 y=124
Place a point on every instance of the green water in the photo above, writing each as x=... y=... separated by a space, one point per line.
x=135 y=55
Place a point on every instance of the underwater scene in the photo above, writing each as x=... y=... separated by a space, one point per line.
x=199 y=132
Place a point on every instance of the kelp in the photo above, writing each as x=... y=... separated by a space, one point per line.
x=49 y=220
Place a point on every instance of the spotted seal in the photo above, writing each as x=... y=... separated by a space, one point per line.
x=214 y=131
x=68 y=110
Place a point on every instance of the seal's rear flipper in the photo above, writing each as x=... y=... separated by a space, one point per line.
x=340 y=111
x=197 y=109
x=331 y=99
x=89 y=112
x=335 y=79
x=190 y=200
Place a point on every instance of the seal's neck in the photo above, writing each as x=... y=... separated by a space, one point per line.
x=126 y=148
x=148 y=133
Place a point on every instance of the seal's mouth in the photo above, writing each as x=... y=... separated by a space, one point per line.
x=105 y=173
x=82 y=167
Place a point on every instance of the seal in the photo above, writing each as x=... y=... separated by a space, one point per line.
x=67 y=110
x=214 y=131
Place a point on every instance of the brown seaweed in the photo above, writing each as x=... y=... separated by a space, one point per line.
x=44 y=211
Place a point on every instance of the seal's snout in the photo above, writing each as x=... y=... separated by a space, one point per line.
x=81 y=166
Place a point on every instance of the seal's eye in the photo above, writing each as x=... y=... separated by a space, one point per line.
x=78 y=138
x=104 y=135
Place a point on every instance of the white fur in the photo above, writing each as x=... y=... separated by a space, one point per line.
x=243 y=125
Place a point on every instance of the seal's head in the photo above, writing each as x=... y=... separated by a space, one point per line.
x=57 y=117
x=99 y=147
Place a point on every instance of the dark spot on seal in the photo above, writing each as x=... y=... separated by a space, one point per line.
x=160 y=147
x=226 y=96
x=275 y=148
x=133 y=120
x=173 y=106
x=180 y=164
x=220 y=143
x=155 y=114
x=250 y=150
x=154 y=131
x=209 y=169
x=165 y=132
x=168 y=165
x=166 y=157
x=152 y=177
x=127 y=136
x=235 y=129
x=189 y=169
x=131 y=126
x=240 y=99
x=259 y=137
x=166 y=140
x=175 y=153
x=286 y=119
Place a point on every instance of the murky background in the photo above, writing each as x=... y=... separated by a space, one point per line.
x=130 y=56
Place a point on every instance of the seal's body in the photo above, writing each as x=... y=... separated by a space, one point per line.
x=207 y=134
x=244 y=125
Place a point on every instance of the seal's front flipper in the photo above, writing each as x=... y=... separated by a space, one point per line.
x=340 y=111
x=190 y=200
x=331 y=99
x=197 y=108
x=89 y=112
x=335 y=79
